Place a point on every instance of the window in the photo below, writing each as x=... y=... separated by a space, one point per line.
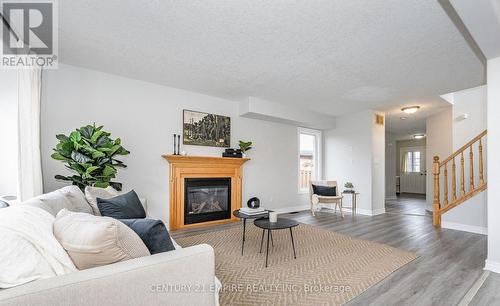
x=412 y=161
x=309 y=157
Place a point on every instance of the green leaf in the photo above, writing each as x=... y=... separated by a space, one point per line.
x=75 y=136
x=101 y=184
x=86 y=131
x=103 y=142
x=122 y=151
x=113 y=150
x=58 y=156
x=79 y=157
x=61 y=177
x=104 y=161
x=76 y=167
x=91 y=169
x=97 y=154
x=96 y=136
x=108 y=170
x=65 y=148
x=118 y=141
x=62 y=137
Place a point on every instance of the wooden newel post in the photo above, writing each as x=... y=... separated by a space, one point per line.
x=436 y=216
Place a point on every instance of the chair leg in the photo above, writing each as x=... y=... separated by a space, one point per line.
x=341 y=211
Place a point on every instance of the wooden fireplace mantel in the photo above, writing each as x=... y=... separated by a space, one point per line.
x=182 y=167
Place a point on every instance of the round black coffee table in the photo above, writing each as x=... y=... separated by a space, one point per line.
x=244 y=218
x=281 y=223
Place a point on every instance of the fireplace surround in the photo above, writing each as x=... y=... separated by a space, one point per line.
x=194 y=176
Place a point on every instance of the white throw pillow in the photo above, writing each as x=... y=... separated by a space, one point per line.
x=69 y=197
x=93 y=241
x=92 y=193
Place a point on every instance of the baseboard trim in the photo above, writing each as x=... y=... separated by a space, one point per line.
x=368 y=212
x=493 y=266
x=465 y=227
x=391 y=198
x=285 y=210
x=360 y=211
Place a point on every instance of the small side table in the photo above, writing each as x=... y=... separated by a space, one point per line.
x=354 y=200
x=282 y=223
x=244 y=218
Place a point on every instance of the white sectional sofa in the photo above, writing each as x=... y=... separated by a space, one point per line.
x=185 y=276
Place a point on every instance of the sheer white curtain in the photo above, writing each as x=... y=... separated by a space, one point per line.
x=30 y=182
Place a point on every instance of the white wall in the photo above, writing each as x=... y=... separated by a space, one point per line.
x=439 y=142
x=145 y=116
x=354 y=151
x=470 y=215
x=390 y=165
x=8 y=132
x=493 y=261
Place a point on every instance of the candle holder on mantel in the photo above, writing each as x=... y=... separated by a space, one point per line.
x=175 y=144
x=178 y=144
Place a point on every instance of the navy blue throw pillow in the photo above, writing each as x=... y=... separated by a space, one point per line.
x=326 y=191
x=124 y=206
x=153 y=233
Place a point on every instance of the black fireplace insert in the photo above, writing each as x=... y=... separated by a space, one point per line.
x=207 y=199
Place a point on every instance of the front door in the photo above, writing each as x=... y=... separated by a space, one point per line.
x=413 y=174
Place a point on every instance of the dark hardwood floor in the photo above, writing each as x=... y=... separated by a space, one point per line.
x=413 y=204
x=449 y=263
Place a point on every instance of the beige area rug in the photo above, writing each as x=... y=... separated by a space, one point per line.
x=330 y=268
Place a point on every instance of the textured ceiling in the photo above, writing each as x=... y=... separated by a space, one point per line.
x=336 y=56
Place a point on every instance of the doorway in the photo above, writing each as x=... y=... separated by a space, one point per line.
x=405 y=174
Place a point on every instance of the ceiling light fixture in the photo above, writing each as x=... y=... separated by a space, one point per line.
x=410 y=109
x=419 y=136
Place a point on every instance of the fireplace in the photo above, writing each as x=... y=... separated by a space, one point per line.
x=207 y=199
x=204 y=190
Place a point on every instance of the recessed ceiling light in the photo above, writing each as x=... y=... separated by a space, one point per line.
x=419 y=136
x=403 y=118
x=410 y=109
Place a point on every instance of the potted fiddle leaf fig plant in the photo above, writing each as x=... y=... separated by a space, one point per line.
x=245 y=146
x=91 y=154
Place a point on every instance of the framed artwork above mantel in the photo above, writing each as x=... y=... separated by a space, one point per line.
x=204 y=129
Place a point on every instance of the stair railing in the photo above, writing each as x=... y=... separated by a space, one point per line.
x=453 y=198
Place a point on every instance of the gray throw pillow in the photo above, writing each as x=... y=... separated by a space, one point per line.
x=153 y=233
x=124 y=206
x=326 y=191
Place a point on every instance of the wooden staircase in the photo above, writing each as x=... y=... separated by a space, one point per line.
x=445 y=200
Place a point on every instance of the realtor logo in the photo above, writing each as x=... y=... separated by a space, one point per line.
x=29 y=34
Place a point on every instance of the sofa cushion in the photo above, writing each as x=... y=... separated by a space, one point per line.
x=124 y=206
x=92 y=193
x=28 y=248
x=153 y=233
x=70 y=197
x=93 y=241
